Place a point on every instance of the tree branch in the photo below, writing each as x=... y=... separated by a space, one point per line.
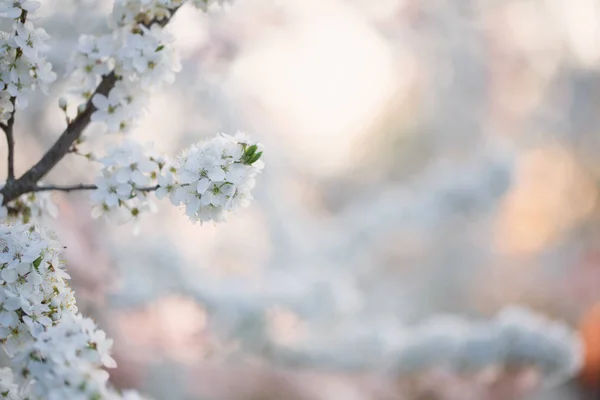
x=61 y=147
x=28 y=182
x=63 y=144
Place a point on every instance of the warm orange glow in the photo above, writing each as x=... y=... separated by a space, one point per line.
x=552 y=193
x=590 y=331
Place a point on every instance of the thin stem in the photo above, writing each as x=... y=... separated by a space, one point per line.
x=73 y=150
x=148 y=188
x=10 y=142
x=64 y=188
x=8 y=128
x=81 y=186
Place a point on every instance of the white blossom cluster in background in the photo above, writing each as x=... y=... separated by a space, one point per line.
x=22 y=60
x=515 y=338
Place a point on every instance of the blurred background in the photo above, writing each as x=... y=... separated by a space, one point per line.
x=422 y=157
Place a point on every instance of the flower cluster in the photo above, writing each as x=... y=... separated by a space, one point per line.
x=515 y=338
x=146 y=56
x=33 y=292
x=128 y=175
x=213 y=177
x=21 y=57
x=57 y=353
x=67 y=360
x=138 y=52
x=143 y=62
x=210 y=178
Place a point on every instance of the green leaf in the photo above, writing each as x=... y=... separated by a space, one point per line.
x=250 y=152
x=37 y=262
x=256 y=157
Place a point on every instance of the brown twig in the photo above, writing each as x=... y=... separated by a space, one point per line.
x=9 y=126
x=10 y=142
x=60 y=148
x=81 y=186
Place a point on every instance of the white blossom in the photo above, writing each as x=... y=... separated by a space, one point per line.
x=8 y=387
x=91 y=60
x=67 y=360
x=145 y=60
x=119 y=110
x=57 y=353
x=128 y=171
x=22 y=58
x=209 y=179
x=31 y=40
x=92 y=49
x=14 y=8
x=147 y=57
x=141 y=57
x=215 y=176
x=33 y=291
